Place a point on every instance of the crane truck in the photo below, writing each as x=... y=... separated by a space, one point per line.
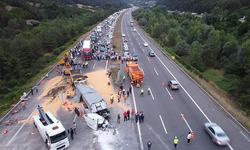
x=52 y=131
x=135 y=73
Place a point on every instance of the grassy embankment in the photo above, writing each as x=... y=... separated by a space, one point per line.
x=216 y=87
x=115 y=65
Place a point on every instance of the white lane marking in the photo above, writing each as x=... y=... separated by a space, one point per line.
x=134 y=49
x=156 y=71
x=230 y=146
x=138 y=125
x=20 y=127
x=129 y=39
x=151 y=93
x=186 y=123
x=244 y=136
x=75 y=118
x=131 y=43
x=106 y=66
x=163 y=125
x=142 y=71
x=184 y=90
x=94 y=66
x=168 y=91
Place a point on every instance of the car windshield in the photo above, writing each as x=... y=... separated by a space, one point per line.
x=58 y=137
x=134 y=55
x=221 y=135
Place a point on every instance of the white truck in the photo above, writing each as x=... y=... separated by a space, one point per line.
x=52 y=131
x=99 y=30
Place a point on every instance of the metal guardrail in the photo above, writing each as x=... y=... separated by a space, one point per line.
x=231 y=116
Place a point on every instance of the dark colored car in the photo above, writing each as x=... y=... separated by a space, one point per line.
x=173 y=85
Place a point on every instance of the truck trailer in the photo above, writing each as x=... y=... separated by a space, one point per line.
x=51 y=130
x=86 y=50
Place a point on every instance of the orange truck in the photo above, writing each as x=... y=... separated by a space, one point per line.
x=135 y=73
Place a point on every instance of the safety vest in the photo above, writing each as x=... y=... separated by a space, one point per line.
x=22 y=103
x=142 y=90
x=123 y=77
x=125 y=96
x=118 y=96
x=120 y=92
x=47 y=75
x=148 y=89
x=176 y=141
x=112 y=97
x=86 y=63
x=123 y=90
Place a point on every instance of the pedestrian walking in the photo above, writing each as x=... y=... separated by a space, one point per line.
x=142 y=116
x=125 y=116
x=23 y=105
x=130 y=89
x=121 y=86
x=128 y=114
x=176 y=141
x=36 y=88
x=124 y=79
x=149 y=144
x=123 y=92
x=136 y=117
x=118 y=118
x=31 y=91
x=148 y=90
x=72 y=133
x=128 y=93
x=142 y=92
x=74 y=127
x=132 y=114
x=118 y=97
x=188 y=138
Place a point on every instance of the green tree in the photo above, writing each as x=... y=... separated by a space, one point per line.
x=182 y=48
x=157 y=30
x=173 y=33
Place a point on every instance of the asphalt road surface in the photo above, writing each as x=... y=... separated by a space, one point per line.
x=163 y=120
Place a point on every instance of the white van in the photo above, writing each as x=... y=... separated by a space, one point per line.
x=125 y=48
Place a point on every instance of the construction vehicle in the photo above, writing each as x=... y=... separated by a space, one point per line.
x=135 y=73
x=51 y=130
x=86 y=50
x=67 y=64
x=131 y=23
x=77 y=76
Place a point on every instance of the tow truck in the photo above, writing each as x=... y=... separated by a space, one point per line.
x=51 y=130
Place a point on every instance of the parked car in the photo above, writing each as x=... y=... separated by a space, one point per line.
x=216 y=133
x=135 y=57
x=173 y=85
x=145 y=44
x=151 y=54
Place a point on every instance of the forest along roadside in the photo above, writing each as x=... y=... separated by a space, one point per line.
x=121 y=135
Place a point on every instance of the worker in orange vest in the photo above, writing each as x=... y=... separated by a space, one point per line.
x=23 y=105
x=118 y=97
x=125 y=97
x=120 y=92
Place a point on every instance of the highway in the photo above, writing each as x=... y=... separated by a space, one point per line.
x=163 y=120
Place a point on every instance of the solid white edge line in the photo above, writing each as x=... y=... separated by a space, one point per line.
x=230 y=146
x=138 y=125
x=106 y=66
x=75 y=118
x=163 y=125
x=94 y=66
x=20 y=128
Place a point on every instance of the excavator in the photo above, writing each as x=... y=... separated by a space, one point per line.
x=67 y=63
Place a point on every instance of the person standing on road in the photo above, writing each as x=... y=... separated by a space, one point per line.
x=118 y=97
x=72 y=133
x=110 y=74
x=149 y=144
x=23 y=105
x=176 y=141
x=128 y=93
x=120 y=92
x=86 y=63
x=136 y=117
x=36 y=88
x=124 y=79
x=130 y=89
x=74 y=127
x=31 y=91
x=132 y=114
x=148 y=90
x=142 y=92
x=118 y=118
x=125 y=97
x=188 y=138
x=112 y=98
x=128 y=113
x=123 y=92
x=125 y=116
x=142 y=116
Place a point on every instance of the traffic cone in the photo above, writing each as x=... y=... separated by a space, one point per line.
x=154 y=69
x=149 y=62
x=192 y=135
x=5 y=131
x=182 y=116
x=70 y=102
x=42 y=82
x=171 y=98
x=80 y=115
x=163 y=83
x=68 y=108
x=83 y=117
